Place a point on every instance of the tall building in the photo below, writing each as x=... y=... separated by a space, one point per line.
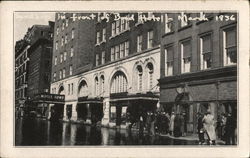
x=123 y=79
x=28 y=59
x=199 y=65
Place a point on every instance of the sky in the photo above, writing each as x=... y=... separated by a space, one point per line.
x=24 y=20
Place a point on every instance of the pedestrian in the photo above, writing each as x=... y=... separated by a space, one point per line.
x=163 y=123
x=230 y=130
x=141 y=126
x=177 y=125
x=148 y=121
x=208 y=123
x=167 y=122
x=182 y=121
x=171 y=123
x=200 y=128
x=152 y=124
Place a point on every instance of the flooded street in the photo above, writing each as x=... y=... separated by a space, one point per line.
x=39 y=132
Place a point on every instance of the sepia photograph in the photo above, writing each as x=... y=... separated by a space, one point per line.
x=124 y=79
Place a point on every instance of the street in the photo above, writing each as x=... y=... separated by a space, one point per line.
x=39 y=132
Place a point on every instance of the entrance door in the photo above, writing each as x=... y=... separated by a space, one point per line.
x=57 y=112
x=82 y=111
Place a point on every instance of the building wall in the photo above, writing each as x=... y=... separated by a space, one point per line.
x=82 y=43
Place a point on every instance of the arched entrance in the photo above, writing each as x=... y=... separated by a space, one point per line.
x=57 y=108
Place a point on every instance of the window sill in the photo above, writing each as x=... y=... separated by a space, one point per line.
x=168 y=33
x=138 y=23
x=119 y=33
x=184 y=27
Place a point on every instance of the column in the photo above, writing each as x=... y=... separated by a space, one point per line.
x=88 y=120
x=49 y=111
x=106 y=105
x=65 y=118
x=74 y=112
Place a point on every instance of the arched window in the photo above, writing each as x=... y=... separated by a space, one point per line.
x=83 y=89
x=102 y=84
x=96 y=86
x=150 y=69
x=119 y=83
x=139 y=77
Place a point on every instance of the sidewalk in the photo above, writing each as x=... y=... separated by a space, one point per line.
x=193 y=137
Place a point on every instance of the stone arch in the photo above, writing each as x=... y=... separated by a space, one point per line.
x=61 y=89
x=82 y=88
x=122 y=69
x=119 y=82
x=150 y=78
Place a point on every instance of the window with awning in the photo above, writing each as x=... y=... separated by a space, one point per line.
x=230 y=46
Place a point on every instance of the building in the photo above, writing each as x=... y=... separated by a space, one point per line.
x=123 y=79
x=74 y=41
x=199 y=65
x=24 y=63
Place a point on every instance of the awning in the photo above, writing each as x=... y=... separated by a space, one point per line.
x=87 y=100
x=131 y=97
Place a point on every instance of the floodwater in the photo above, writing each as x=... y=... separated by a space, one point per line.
x=39 y=132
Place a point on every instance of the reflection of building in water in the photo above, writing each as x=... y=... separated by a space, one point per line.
x=123 y=78
x=199 y=67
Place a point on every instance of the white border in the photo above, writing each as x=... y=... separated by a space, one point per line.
x=7 y=149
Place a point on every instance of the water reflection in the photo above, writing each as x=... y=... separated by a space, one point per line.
x=42 y=132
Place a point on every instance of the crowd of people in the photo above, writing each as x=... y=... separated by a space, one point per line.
x=208 y=128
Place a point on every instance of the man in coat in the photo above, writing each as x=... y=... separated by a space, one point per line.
x=200 y=128
x=171 y=123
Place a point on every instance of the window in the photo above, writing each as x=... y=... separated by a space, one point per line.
x=56 y=45
x=60 y=74
x=205 y=52
x=102 y=84
x=42 y=33
x=230 y=46
x=65 y=56
x=117 y=52
x=123 y=24
x=55 y=60
x=169 y=61
x=126 y=48
x=112 y=54
x=103 y=57
x=67 y=22
x=97 y=59
x=122 y=50
x=72 y=88
x=96 y=86
x=126 y=24
x=139 y=78
x=63 y=24
x=104 y=34
x=113 y=29
x=150 y=39
x=119 y=83
x=169 y=23
x=71 y=51
x=73 y=33
x=57 y=30
x=68 y=89
x=139 y=43
x=117 y=26
x=64 y=71
x=66 y=39
x=98 y=17
x=54 y=76
x=140 y=18
x=150 y=68
x=98 y=37
x=62 y=41
x=61 y=58
x=186 y=56
x=70 y=70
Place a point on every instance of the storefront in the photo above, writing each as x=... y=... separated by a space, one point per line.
x=90 y=110
x=125 y=108
x=213 y=90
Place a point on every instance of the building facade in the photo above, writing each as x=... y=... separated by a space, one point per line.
x=27 y=63
x=123 y=79
x=199 y=65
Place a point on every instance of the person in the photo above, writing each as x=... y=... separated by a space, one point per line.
x=152 y=124
x=200 y=128
x=171 y=123
x=167 y=122
x=141 y=126
x=230 y=130
x=177 y=125
x=182 y=122
x=208 y=123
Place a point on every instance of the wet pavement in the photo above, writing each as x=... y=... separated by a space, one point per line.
x=39 y=132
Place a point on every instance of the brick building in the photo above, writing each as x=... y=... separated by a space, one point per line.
x=124 y=76
x=27 y=75
x=199 y=66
